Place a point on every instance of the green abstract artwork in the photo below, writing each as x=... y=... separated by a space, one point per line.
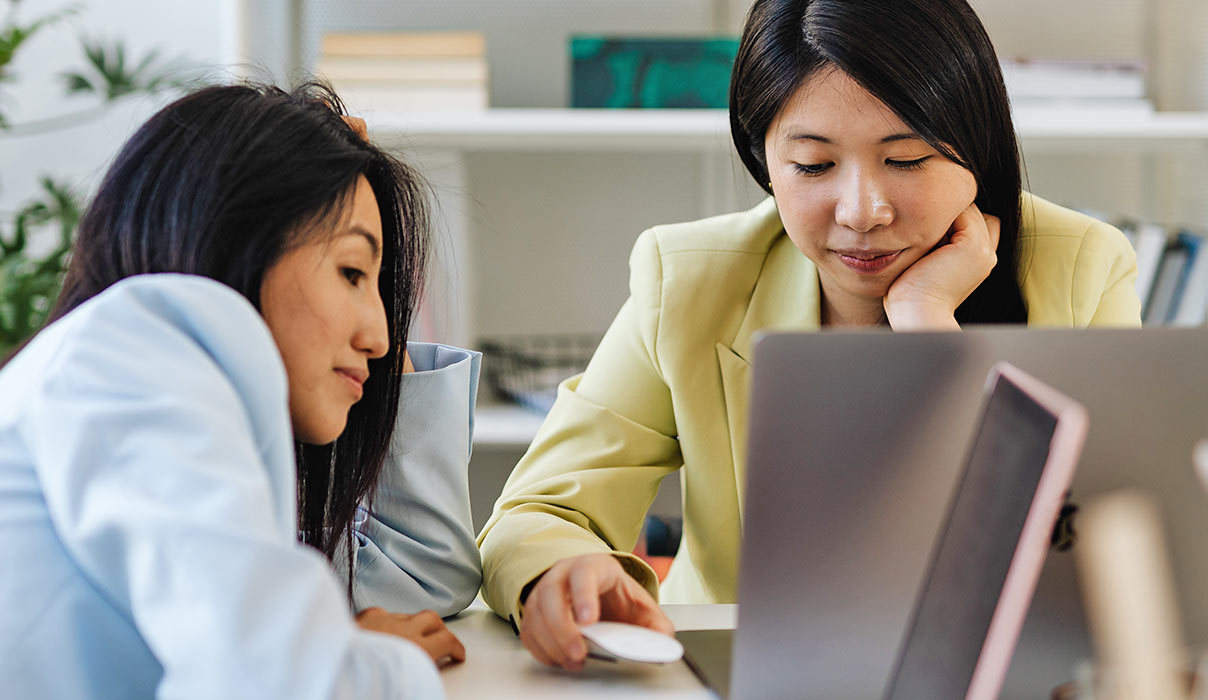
x=622 y=73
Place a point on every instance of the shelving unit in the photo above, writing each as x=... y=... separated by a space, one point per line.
x=701 y=130
x=450 y=140
x=503 y=426
x=533 y=197
x=556 y=129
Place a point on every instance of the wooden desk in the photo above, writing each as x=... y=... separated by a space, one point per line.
x=498 y=666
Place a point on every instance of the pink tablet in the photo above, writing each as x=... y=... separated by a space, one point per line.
x=993 y=541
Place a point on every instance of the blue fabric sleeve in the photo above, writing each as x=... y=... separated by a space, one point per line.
x=417 y=548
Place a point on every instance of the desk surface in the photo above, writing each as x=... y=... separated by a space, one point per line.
x=498 y=666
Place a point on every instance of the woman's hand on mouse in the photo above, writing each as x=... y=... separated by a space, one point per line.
x=927 y=294
x=578 y=591
x=425 y=629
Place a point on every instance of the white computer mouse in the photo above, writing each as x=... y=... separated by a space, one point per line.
x=619 y=641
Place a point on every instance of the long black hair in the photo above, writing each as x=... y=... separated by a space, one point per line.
x=223 y=182
x=932 y=63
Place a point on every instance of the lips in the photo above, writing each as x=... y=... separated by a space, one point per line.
x=867 y=261
x=354 y=378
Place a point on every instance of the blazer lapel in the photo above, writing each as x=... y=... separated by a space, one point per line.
x=735 y=383
x=785 y=297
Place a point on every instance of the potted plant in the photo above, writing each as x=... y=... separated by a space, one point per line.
x=29 y=280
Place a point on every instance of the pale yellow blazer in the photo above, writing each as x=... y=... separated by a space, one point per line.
x=667 y=390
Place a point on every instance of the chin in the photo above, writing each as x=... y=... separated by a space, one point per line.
x=871 y=288
x=321 y=435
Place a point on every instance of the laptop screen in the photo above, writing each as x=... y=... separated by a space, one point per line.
x=974 y=552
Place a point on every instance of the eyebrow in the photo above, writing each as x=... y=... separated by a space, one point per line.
x=376 y=247
x=822 y=139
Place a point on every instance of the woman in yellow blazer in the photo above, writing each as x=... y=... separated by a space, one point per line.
x=882 y=130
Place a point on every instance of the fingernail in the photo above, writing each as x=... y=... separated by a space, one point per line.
x=583 y=614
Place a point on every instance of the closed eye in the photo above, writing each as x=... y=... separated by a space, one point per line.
x=915 y=164
x=813 y=170
x=352 y=274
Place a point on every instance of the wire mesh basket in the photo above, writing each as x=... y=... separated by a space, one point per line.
x=526 y=370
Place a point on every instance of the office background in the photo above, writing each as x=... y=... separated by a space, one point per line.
x=533 y=239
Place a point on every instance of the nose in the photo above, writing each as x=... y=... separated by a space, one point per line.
x=373 y=332
x=862 y=205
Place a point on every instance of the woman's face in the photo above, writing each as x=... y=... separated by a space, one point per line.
x=859 y=193
x=322 y=305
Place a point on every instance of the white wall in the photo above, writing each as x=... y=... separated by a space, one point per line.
x=194 y=30
x=527 y=46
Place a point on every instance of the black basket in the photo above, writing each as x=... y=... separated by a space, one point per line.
x=526 y=370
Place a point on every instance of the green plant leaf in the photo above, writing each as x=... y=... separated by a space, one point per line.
x=78 y=82
x=13 y=35
x=111 y=76
x=28 y=285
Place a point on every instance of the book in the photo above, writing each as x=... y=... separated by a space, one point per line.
x=456 y=69
x=1165 y=286
x=640 y=72
x=404 y=44
x=385 y=97
x=1151 y=241
x=1192 y=309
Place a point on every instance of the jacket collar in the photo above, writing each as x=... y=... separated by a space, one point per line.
x=786 y=295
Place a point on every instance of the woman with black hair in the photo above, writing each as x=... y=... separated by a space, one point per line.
x=222 y=377
x=882 y=131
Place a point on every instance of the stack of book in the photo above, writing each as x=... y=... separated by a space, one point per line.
x=406 y=71
x=1172 y=275
x=1116 y=86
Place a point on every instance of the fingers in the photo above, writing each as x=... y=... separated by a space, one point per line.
x=972 y=221
x=580 y=591
x=558 y=633
x=429 y=631
x=357 y=125
x=444 y=647
x=424 y=629
x=973 y=228
x=539 y=639
x=994 y=227
x=428 y=622
x=369 y=613
x=654 y=618
x=969 y=222
x=529 y=637
x=585 y=595
x=640 y=608
x=567 y=596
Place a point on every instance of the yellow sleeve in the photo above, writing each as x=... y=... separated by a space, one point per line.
x=1105 y=280
x=595 y=466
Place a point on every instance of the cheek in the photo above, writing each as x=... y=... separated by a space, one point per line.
x=298 y=339
x=930 y=210
x=952 y=191
x=806 y=216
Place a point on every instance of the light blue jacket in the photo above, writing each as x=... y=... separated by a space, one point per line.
x=148 y=542
x=417 y=548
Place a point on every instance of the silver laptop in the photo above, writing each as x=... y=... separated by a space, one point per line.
x=837 y=555
x=972 y=591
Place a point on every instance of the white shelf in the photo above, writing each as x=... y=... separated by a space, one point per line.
x=556 y=129
x=505 y=426
x=693 y=130
x=1082 y=125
